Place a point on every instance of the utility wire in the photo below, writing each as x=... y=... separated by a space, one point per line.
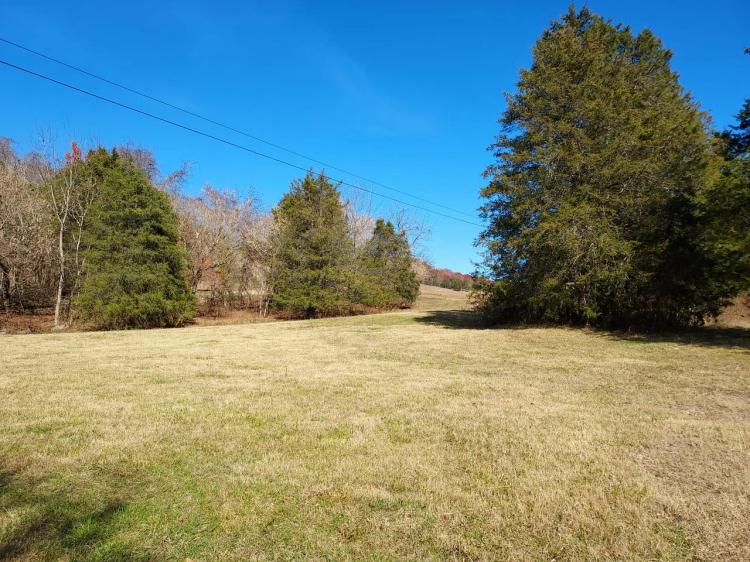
x=227 y=127
x=225 y=141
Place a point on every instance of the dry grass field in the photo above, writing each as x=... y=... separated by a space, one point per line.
x=408 y=435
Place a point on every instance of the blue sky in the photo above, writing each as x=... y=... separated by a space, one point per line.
x=406 y=93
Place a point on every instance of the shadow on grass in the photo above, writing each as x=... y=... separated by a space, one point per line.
x=459 y=319
x=710 y=336
x=48 y=520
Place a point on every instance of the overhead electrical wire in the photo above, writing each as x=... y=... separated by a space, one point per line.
x=227 y=127
x=228 y=142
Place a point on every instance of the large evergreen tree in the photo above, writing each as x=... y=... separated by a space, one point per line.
x=312 y=274
x=725 y=210
x=387 y=276
x=592 y=200
x=134 y=267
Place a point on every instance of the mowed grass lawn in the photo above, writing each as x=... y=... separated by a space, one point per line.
x=408 y=435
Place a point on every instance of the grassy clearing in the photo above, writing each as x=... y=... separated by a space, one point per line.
x=400 y=435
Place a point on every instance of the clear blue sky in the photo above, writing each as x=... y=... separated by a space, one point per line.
x=407 y=93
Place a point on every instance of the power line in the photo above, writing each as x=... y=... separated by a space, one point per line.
x=225 y=141
x=227 y=127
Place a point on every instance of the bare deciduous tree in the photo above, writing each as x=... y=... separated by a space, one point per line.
x=66 y=196
x=213 y=228
x=360 y=216
x=260 y=257
x=26 y=236
x=416 y=228
x=70 y=193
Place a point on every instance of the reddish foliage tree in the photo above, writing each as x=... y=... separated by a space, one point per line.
x=75 y=153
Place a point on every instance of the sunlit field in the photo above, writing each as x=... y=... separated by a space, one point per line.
x=406 y=435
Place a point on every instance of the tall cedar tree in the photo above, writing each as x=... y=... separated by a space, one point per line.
x=134 y=266
x=389 y=279
x=591 y=202
x=312 y=274
x=726 y=209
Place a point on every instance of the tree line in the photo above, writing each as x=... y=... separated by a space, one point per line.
x=108 y=242
x=611 y=201
x=445 y=278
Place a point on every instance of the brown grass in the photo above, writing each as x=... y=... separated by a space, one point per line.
x=407 y=435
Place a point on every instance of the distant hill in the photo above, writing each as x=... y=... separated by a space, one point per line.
x=443 y=277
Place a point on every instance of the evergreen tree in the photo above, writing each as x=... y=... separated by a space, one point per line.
x=592 y=200
x=312 y=274
x=388 y=278
x=133 y=265
x=737 y=138
x=725 y=210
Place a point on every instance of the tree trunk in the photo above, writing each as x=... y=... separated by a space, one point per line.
x=5 y=287
x=79 y=271
x=61 y=279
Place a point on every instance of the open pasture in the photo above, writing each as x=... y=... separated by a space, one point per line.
x=407 y=435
